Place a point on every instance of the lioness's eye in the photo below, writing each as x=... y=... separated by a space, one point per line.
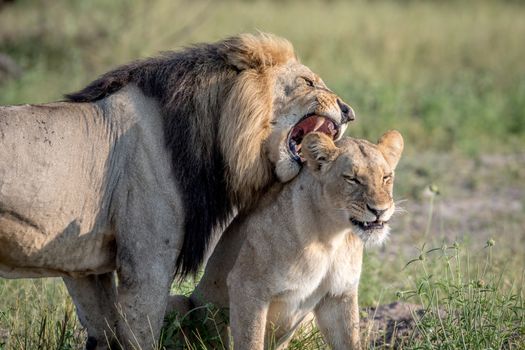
x=387 y=178
x=351 y=179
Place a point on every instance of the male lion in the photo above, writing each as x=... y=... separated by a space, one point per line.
x=300 y=250
x=133 y=173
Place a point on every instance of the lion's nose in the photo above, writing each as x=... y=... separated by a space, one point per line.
x=347 y=112
x=375 y=211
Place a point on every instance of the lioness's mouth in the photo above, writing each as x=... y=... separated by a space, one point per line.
x=368 y=225
x=310 y=123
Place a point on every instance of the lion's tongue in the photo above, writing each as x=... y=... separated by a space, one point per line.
x=308 y=125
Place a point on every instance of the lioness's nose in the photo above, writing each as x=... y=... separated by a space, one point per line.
x=375 y=211
x=347 y=112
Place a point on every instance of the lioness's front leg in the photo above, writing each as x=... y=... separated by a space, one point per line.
x=248 y=314
x=338 y=320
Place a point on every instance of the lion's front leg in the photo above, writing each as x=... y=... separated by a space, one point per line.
x=144 y=283
x=148 y=223
x=94 y=297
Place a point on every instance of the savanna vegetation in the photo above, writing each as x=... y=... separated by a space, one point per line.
x=449 y=75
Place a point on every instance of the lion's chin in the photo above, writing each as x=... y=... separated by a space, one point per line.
x=286 y=169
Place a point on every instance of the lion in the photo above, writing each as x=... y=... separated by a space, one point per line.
x=119 y=188
x=300 y=250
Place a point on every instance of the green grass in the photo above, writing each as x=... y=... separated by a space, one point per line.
x=448 y=74
x=467 y=306
x=38 y=315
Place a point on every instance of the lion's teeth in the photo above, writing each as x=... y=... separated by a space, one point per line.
x=331 y=127
x=320 y=122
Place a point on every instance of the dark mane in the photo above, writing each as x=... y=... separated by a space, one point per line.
x=179 y=81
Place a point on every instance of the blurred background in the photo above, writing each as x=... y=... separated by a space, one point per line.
x=451 y=70
x=449 y=75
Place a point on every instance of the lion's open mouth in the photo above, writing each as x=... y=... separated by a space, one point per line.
x=368 y=225
x=308 y=124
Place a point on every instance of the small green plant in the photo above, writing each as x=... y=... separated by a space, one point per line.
x=464 y=308
x=200 y=328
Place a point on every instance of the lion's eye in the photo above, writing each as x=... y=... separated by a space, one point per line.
x=308 y=82
x=351 y=179
x=387 y=178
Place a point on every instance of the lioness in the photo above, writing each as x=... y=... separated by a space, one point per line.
x=301 y=249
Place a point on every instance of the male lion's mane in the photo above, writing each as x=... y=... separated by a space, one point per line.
x=216 y=104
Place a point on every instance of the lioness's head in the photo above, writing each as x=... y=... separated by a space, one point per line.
x=357 y=180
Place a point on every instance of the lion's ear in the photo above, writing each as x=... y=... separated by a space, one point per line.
x=319 y=150
x=391 y=146
x=248 y=51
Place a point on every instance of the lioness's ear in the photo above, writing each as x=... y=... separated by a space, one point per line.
x=248 y=51
x=391 y=145
x=318 y=150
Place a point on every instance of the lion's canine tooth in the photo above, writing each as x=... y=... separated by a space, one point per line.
x=320 y=122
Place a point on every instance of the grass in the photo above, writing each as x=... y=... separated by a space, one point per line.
x=448 y=74
x=467 y=306
x=465 y=309
x=38 y=314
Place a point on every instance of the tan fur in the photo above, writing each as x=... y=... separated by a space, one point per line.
x=298 y=251
x=88 y=191
x=248 y=51
x=245 y=128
